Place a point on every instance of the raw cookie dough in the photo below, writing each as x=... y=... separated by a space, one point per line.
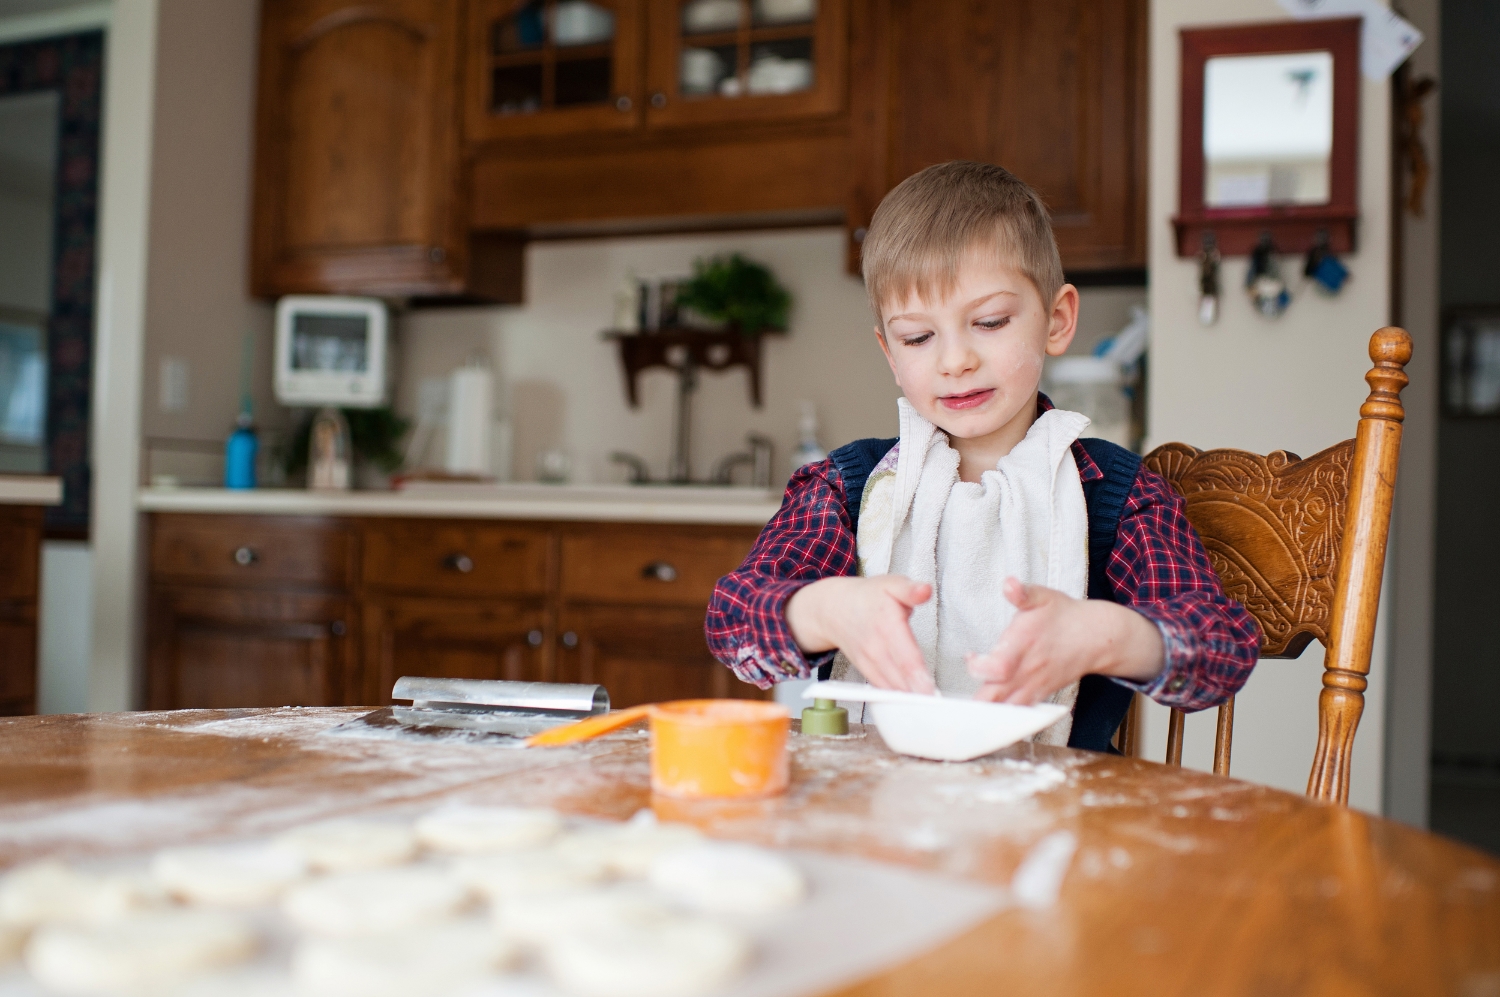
x=140 y=953
x=728 y=879
x=487 y=829
x=435 y=960
x=508 y=874
x=12 y=938
x=232 y=875
x=628 y=849
x=47 y=892
x=374 y=901
x=538 y=918
x=674 y=957
x=344 y=845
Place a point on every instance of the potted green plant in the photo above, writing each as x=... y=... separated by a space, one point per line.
x=742 y=294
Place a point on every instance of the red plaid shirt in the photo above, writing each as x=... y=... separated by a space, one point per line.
x=1158 y=568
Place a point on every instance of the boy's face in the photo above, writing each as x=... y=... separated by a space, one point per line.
x=970 y=363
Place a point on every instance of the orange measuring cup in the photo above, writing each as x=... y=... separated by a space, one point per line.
x=702 y=748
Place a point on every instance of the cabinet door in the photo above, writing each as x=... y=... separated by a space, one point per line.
x=644 y=654
x=552 y=67
x=452 y=638
x=214 y=648
x=20 y=564
x=1054 y=92
x=740 y=60
x=357 y=172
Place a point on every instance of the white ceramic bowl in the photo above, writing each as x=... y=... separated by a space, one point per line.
x=945 y=730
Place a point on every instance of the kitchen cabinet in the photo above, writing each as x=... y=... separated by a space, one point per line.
x=358 y=187
x=275 y=610
x=1054 y=92
x=20 y=584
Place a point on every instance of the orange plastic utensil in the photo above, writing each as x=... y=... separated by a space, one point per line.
x=589 y=728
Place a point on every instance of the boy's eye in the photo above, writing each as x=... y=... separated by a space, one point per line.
x=917 y=340
x=997 y=322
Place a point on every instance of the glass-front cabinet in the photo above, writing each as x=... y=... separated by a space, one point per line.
x=552 y=67
x=733 y=60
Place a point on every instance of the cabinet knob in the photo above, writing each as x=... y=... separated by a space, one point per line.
x=658 y=100
x=534 y=638
x=337 y=628
x=462 y=563
x=245 y=556
x=570 y=639
x=437 y=254
x=659 y=570
x=623 y=104
x=858 y=235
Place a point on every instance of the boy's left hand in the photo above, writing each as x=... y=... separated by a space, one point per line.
x=1055 y=640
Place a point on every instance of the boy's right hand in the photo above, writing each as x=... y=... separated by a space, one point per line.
x=867 y=619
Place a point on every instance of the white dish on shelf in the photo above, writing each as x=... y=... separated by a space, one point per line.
x=785 y=11
x=774 y=75
x=941 y=729
x=578 y=22
x=711 y=15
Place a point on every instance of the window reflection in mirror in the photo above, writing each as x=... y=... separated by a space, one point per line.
x=28 y=166
x=1267 y=129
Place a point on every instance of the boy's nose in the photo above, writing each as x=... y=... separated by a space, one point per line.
x=956 y=356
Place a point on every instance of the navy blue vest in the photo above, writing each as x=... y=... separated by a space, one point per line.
x=1102 y=702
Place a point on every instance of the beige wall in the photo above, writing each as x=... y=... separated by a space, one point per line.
x=1295 y=383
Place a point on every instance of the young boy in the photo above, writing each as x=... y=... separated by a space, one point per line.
x=988 y=552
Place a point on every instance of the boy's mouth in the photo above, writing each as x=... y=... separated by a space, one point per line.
x=967 y=400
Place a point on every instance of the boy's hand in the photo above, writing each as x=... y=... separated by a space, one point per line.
x=866 y=618
x=1055 y=640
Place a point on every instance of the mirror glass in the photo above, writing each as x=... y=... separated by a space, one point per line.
x=1267 y=129
x=28 y=167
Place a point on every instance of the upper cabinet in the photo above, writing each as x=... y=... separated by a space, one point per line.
x=358 y=186
x=410 y=147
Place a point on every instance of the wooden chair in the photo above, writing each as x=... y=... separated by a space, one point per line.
x=1301 y=543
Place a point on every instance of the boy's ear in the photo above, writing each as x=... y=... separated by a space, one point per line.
x=886 y=349
x=1063 y=322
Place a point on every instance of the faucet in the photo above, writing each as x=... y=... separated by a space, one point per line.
x=639 y=473
x=759 y=457
x=679 y=471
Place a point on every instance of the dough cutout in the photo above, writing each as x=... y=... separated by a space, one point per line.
x=375 y=901
x=51 y=892
x=511 y=874
x=141 y=953
x=728 y=879
x=539 y=918
x=346 y=845
x=673 y=957
x=424 y=961
x=628 y=849
x=488 y=829
x=229 y=875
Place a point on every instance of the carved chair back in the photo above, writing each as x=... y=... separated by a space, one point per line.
x=1301 y=543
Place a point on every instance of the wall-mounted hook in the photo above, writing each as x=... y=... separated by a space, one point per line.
x=1326 y=270
x=1268 y=292
x=1208 y=280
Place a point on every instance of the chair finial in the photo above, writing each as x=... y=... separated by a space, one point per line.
x=1390 y=350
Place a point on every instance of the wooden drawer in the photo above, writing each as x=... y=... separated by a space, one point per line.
x=664 y=565
x=447 y=558
x=251 y=550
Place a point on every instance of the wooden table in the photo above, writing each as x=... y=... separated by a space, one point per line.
x=1184 y=883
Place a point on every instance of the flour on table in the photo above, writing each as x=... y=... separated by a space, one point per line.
x=230 y=875
x=345 y=845
x=508 y=874
x=140 y=953
x=45 y=892
x=673 y=957
x=374 y=901
x=728 y=879
x=487 y=829
x=426 y=961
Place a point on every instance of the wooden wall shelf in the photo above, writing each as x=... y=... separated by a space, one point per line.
x=675 y=348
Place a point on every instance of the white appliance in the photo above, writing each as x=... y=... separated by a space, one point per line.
x=331 y=351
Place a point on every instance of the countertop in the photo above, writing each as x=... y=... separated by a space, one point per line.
x=598 y=503
x=1182 y=882
x=30 y=489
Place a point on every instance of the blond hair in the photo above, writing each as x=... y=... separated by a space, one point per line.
x=933 y=220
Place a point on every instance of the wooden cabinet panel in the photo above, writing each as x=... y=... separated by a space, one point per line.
x=644 y=654
x=251 y=550
x=357 y=171
x=17 y=666
x=445 y=638
x=676 y=565
x=20 y=552
x=20 y=584
x=215 y=648
x=454 y=558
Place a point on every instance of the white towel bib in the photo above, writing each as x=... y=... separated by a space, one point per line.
x=1027 y=518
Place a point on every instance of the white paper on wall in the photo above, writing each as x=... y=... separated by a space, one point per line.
x=1386 y=38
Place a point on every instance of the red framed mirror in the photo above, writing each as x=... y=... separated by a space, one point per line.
x=1269 y=139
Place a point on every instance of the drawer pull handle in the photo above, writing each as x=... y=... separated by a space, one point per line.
x=462 y=563
x=245 y=557
x=534 y=638
x=338 y=628
x=659 y=570
x=570 y=639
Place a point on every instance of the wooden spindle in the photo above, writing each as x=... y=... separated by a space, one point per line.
x=1367 y=521
x=1224 y=737
x=1174 y=738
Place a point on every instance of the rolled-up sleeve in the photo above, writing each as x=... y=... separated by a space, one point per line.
x=1159 y=568
x=809 y=538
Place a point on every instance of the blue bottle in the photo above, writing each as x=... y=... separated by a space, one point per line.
x=240 y=453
